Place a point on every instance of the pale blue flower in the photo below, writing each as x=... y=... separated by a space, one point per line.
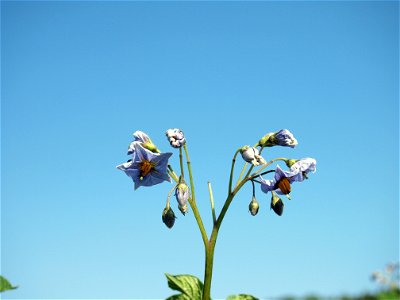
x=303 y=167
x=271 y=185
x=146 y=168
x=298 y=172
x=284 y=138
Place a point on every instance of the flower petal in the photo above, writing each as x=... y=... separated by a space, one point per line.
x=267 y=185
x=141 y=136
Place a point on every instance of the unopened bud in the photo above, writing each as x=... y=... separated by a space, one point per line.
x=182 y=194
x=176 y=137
x=254 y=206
x=168 y=216
x=252 y=155
x=277 y=204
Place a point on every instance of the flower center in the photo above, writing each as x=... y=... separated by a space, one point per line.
x=284 y=185
x=145 y=168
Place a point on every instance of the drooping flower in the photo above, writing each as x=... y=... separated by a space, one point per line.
x=303 y=167
x=254 y=206
x=142 y=139
x=282 y=137
x=281 y=182
x=283 y=179
x=146 y=168
x=176 y=137
x=252 y=155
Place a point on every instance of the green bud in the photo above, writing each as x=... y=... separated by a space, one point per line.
x=168 y=216
x=266 y=140
x=254 y=206
x=290 y=162
x=277 y=204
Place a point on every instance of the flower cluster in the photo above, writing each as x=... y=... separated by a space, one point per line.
x=282 y=181
x=149 y=166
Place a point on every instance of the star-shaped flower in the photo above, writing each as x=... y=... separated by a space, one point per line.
x=146 y=168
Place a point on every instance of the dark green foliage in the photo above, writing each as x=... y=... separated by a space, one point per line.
x=5 y=285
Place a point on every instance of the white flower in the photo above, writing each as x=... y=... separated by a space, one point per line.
x=252 y=155
x=175 y=137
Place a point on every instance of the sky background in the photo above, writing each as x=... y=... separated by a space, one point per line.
x=78 y=78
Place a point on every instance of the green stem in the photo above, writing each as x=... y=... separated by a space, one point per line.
x=209 y=262
x=210 y=247
x=192 y=201
x=172 y=174
x=268 y=163
x=232 y=168
x=241 y=174
x=181 y=163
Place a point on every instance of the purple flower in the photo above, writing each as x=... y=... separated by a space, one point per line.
x=284 y=138
x=303 y=167
x=283 y=179
x=175 y=137
x=280 y=183
x=146 y=168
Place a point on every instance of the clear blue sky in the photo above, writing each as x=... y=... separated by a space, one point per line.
x=78 y=78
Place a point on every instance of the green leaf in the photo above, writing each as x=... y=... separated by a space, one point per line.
x=5 y=285
x=190 y=286
x=242 y=297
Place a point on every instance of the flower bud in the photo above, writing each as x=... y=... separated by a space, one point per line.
x=282 y=137
x=254 y=206
x=284 y=185
x=252 y=155
x=277 y=204
x=168 y=216
x=182 y=194
x=175 y=137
